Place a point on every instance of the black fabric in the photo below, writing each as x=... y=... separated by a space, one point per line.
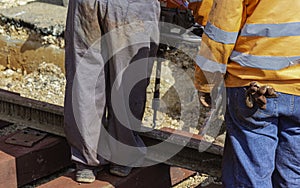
x=182 y=18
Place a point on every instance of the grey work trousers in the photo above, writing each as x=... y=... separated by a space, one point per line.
x=108 y=65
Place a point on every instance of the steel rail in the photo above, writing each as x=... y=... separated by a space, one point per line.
x=49 y=118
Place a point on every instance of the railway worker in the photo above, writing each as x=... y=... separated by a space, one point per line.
x=256 y=44
x=200 y=9
x=108 y=65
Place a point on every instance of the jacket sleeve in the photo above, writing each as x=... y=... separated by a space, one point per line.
x=218 y=40
x=200 y=81
x=201 y=9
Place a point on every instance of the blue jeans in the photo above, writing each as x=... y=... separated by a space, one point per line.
x=262 y=147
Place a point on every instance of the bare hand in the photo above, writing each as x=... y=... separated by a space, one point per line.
x=204 y=99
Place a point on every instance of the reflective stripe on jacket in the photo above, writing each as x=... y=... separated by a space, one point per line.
x=253 y=40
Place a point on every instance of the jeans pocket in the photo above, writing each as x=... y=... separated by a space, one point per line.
x=251 y=117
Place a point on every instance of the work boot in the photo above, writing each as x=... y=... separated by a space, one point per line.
x=119 y=170
x=85 y=174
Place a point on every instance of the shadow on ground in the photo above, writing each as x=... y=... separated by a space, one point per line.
x=54 y=2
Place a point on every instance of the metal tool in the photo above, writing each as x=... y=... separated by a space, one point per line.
x=156 y=94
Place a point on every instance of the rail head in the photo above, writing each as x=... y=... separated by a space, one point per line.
x=15 y=98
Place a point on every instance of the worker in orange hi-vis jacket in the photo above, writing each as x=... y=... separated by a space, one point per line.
x=201 y=9
x=254 y=46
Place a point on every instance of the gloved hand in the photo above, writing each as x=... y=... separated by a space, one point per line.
x=259 y=95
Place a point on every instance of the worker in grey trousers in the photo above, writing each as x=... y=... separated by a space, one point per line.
x=110 y=45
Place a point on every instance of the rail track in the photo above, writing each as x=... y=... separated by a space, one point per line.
x=48 y=118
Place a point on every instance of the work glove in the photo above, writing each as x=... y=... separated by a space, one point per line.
x=259 y=94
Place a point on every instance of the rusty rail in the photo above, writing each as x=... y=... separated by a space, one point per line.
x=49 y=118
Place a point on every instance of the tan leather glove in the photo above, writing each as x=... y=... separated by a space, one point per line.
x=259 y=94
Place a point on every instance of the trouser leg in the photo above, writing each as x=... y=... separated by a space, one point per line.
x=251 y=142
x=126 y=108
x=128 y=33
x=287 y=162
x=137 y=96
x=85 y=97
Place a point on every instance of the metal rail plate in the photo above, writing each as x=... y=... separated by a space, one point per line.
x=26 y=137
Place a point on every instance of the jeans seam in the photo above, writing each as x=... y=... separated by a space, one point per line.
x=292 y=102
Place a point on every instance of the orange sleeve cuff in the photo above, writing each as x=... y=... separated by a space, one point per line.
x=200 y=81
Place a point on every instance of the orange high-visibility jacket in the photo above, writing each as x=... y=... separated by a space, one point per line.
x=252 y=40
x=201 y=9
